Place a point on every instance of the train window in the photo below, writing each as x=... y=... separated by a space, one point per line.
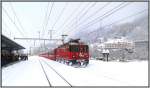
x=74 y=48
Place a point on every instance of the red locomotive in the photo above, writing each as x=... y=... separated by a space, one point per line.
x=70 y=53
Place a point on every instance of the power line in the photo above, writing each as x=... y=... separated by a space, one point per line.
x=13 y=22
x=17 y=18
x=69 y=17
x=109 y=13
x=97 y=11
x=61 y=27
x=48 y=18
x=45 y=15
x=60 y=15
x=77 y=13
x=125 y=18
x=88 y=9
x=85 y=12
x=105 y=15
x=94 y=13
x=101 y=16
x=50 y=13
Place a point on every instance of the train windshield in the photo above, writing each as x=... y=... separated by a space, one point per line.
x=76 y=48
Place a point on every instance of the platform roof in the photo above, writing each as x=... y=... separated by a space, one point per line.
x=8 y=44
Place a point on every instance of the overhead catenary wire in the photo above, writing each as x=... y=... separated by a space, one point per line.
x=22 y=34
x=18 y=19
x=97 y=11
x=63 y=24
x=108 y=13
x=46 y=13
x=11 y=6
x=61 y=13
x=79 y=12
x=70 y=19
x=58 y=16
x=117 y=8
x=48 y=17
x=45 y=17
x=44 y=21
x=100 y=16
x=86 y=11
x=125 y=18
x=91 y=15
x=103 y=16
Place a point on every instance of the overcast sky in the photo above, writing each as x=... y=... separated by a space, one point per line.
x=62 y=17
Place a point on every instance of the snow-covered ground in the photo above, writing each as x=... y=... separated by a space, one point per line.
x=24 y=73
x=97 y=73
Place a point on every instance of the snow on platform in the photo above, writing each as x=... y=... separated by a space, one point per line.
x=24 y=73
x=97 y=73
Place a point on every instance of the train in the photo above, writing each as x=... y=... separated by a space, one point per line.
x=72 y=53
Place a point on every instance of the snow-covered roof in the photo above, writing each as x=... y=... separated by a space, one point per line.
x=118 y=40
x=105 y=51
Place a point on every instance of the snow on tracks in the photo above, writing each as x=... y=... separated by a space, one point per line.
x=54 y=78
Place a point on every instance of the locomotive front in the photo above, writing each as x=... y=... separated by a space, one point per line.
x=79 y=53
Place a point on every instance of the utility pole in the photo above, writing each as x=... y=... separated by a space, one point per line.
x=39 y=34
x=50 y=32
x=63 y=38
x=30 y=50
x=39 y=41
x=34 y=42
x=44 y=45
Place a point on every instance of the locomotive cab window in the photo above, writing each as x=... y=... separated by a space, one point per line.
x=74 y=48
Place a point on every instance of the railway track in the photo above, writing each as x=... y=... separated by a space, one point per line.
x=48 y=76
x=45 y=74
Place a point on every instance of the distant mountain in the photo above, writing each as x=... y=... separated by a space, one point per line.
x=136 y=30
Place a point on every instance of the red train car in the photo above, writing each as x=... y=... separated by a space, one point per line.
x=49 y=55
x=70 y=53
